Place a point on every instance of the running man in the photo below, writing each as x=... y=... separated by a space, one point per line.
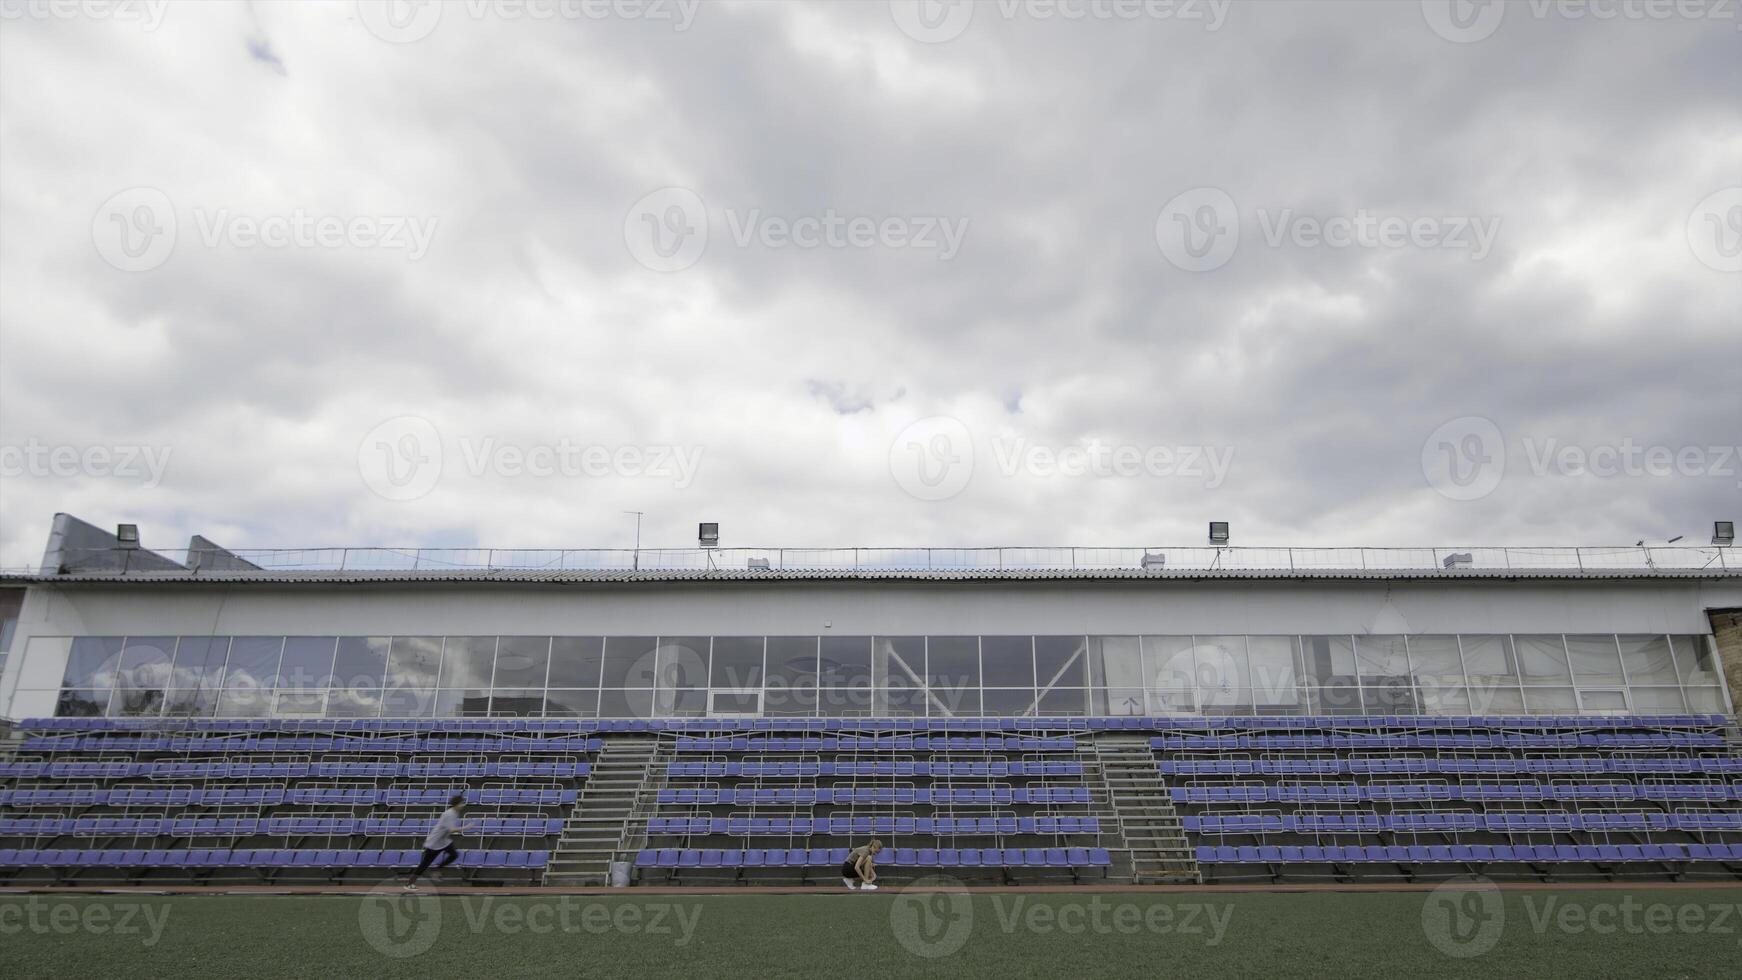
x=440 y=842
x=859 y=870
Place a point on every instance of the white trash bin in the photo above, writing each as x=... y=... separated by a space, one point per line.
x=619 y=874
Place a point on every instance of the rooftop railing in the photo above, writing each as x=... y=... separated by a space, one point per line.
x=1010 y=559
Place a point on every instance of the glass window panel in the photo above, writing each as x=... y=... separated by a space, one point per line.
x=733 y=702
x=846 y=661
x=1007 y=661
x=952 y=662
x=522 y=662
x=1173 y=702
x=1327 y=660
x=1495 y=699
x=1542 y=659
x=1436 y=657
x=683 y=663
x=790 y=702
x=1647 y=659
x=467 y=662
x=469 y=703
x=1659 y=700
x=1489 y=656
x=898 y=661
x=948 y=703
x=1595 y=659
x=199 y=662
x=1223 y=679
x=300 y=704
x=630 y=661
x=415 y=662
x=1064 y=701
x=1273 y=660
x=1448 y=700
x=1693 y=657
x=525 y=703
x=1390 y=695
x=1337 y=699
x=737 y=662
x=792 y=661
x=1113 y=701
x=680 y=703
x=1550 y=700
x=353 y=702
x=192 y=703
x=1614 y=702
x=1061 y=661
x=901 y=702
x=567 y=703
x=1168 y=660
x=1705 y=700
x=361 y=664
x=307 y=662
x=1116 y=661
x=405 y=702
x=616 y=704
x=845 y=701
x=576 y=661
x=143 y=674
x=81 y=703
x=1007 y=701
x=92 y=663
x=237 y=701
x=1381 y=656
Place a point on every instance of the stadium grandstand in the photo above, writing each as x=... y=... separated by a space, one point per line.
x=1002 y=715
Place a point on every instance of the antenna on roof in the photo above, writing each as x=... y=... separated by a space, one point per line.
x=635 y=557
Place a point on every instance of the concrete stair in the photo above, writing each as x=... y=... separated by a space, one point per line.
x=609 y=819
x=1151 y=828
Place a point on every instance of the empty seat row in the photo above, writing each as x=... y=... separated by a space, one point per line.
x=1562 y=822
x=244 y=826
x=1047 y=723
x=1501 y=765
x=875 y=769
x=754 y=826
x=879 y=794
x=898 y=857
x=258 y=858
x=220 y=769
x=1405 y=792
x=1471 y=854
x=332 y=796
x=1588 y=740
x=917 y=743
x=574 y=744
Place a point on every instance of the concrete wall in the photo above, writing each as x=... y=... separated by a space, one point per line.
x=852 y=608
x=1727 y=631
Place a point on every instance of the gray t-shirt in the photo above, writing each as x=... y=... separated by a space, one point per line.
x=442 y=834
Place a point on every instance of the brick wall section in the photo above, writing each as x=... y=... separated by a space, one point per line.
x=1727 y=629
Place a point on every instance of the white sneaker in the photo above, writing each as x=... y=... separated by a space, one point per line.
x=867 y=887
x=849 y=883
x=411 y=887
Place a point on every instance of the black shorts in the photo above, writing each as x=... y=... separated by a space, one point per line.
x=849 y=872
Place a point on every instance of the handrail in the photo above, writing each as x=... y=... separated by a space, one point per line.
x=998 y=559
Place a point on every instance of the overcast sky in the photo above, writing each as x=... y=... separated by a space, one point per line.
x=302 y=274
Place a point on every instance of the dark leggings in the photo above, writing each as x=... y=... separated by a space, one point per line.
x=448 y=855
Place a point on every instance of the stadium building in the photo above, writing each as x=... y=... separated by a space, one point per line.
x=1013 y=714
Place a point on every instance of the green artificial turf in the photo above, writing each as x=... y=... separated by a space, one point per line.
x=1632 y=934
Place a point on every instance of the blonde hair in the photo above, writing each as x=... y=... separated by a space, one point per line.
x=875 y=842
